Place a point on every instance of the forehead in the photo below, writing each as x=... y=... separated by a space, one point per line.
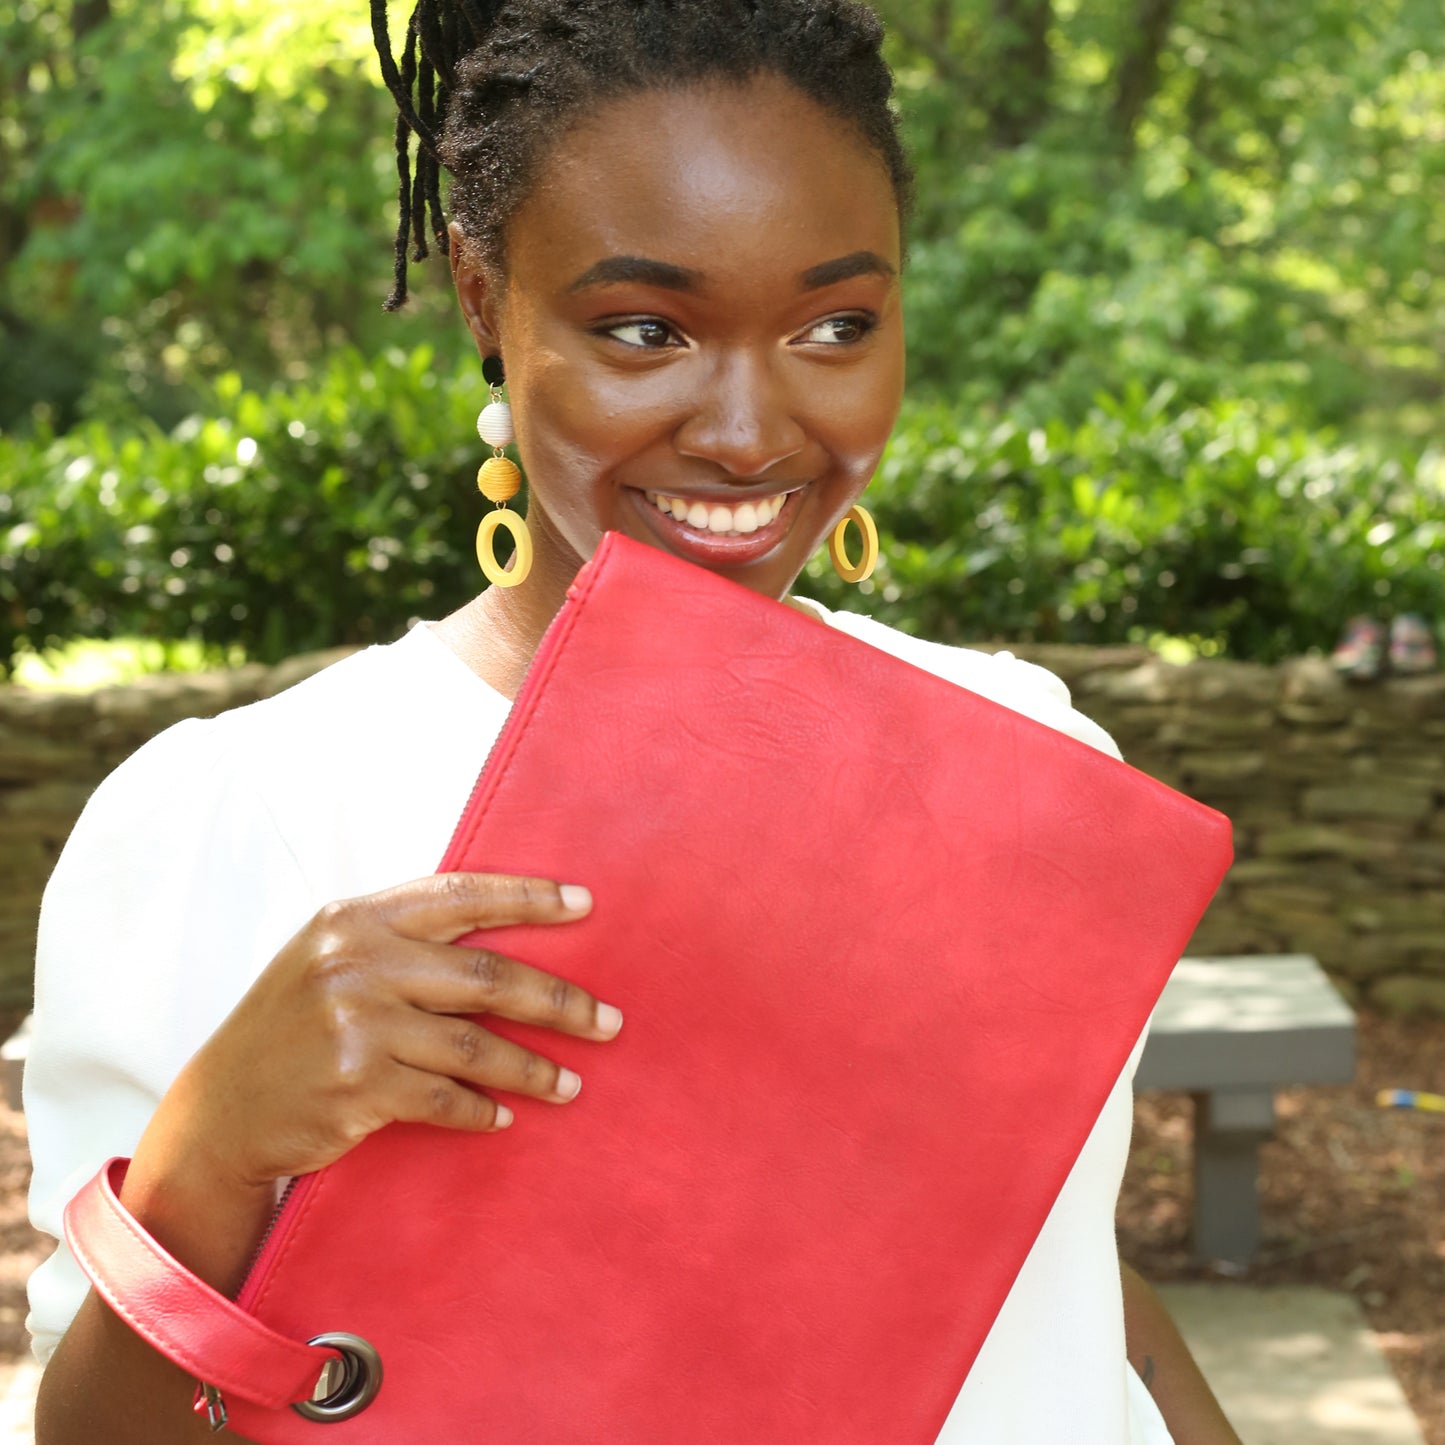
x=742 y=183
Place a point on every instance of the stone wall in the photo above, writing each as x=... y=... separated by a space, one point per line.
x=1337 y=795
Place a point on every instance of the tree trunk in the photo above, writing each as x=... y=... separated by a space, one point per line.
x=1022 y=69
x=1137 y=76
x=88 y=15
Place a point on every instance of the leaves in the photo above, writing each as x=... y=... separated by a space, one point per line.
x=1220 y=523
x=336 y=511
x=281 y=521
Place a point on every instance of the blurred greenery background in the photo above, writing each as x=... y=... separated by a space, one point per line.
x=1176 y=304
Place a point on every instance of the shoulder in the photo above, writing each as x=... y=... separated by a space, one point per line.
x=999 y=676
x=336 y=714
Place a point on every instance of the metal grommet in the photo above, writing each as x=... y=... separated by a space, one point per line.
x=347 y=1386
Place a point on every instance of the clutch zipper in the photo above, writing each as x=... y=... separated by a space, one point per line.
x=208 y=1395
x=281 y=1203
x=547 y=649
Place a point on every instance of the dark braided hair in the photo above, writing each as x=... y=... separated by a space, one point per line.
x=486 y=85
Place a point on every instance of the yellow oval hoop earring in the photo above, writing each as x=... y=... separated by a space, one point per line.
x=521 y=559
x=837 y=550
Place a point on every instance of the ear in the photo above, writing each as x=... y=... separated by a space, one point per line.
x=476 y=294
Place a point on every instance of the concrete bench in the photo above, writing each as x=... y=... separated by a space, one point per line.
x=1230 y=1031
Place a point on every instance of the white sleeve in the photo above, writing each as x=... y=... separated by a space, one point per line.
x=173 y=892
x=1049 y=701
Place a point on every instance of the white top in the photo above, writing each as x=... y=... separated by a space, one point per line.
x=199 y=857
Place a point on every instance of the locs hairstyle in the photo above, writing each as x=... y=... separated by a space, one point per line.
x=488 y=85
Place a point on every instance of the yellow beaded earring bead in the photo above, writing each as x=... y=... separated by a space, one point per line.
x=850 y=571
x=499 y=479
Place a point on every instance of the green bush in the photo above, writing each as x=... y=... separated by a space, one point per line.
x=336 y=512
x=300 y=519
x=1213 y=523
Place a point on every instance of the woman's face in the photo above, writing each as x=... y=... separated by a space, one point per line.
x=701 y=330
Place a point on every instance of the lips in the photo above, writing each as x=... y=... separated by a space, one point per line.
x=717 y=534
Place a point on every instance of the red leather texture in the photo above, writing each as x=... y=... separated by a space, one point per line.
x=183 y=1317
x=883 y=948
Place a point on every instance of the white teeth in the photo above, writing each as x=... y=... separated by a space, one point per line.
x=714 y=518
x=737 y=521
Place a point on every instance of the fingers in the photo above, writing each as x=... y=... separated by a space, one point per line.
x=445 y=979
x=423 y=1098
x=456 y=1049
x=448 y=905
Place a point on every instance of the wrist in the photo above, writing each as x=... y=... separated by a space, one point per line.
x=195 y=1204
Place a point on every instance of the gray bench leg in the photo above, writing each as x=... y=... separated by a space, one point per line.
x=1229 y=1127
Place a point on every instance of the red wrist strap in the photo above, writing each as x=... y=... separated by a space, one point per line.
x=179 y=1314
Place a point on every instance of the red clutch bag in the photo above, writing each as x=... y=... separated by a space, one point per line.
x=883 y=947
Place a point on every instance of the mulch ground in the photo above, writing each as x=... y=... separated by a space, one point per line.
x=1353 y=1199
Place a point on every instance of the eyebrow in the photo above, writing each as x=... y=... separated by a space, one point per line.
x=641 y=270
x=612 y=269
x=857 y=263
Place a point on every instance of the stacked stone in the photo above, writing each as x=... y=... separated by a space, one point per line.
x=1337 y=793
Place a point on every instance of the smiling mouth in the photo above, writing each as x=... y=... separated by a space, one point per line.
x=715 y=519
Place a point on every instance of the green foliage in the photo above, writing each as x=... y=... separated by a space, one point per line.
x=191 y=187
x=335 y=512
x=1241 y=199
x=1218 y=523
x=1038 y=298
x=298 y=519
x=1224 y=215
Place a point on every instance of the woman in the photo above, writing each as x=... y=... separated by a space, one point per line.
x=677 y=229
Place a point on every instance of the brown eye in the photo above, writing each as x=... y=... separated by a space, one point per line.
x=646 y=334
x=839 y=330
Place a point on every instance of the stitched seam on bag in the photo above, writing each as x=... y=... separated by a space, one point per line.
x=288 y=1241
x=179 y=1350
x=514 y=739
x=563 y=645
x=458 y=844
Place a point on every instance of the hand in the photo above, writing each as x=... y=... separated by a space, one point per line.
x=352 y=1026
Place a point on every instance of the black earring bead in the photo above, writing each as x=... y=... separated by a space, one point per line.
x=492 y=372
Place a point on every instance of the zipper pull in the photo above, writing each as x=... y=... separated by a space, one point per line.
x=215 y=1407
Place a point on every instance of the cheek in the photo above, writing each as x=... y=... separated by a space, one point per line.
x=857 y=416
x=573 y=424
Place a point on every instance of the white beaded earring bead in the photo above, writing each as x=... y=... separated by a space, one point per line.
x=494 y=425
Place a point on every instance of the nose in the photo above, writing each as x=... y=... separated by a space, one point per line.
x=743 y=419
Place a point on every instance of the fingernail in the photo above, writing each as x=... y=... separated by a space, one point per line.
x=504 y=1117
x=575 y=898
x=609 y=1019
x=568 y=1084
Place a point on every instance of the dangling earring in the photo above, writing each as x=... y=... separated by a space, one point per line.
x=498 y=480
x=849 y=571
